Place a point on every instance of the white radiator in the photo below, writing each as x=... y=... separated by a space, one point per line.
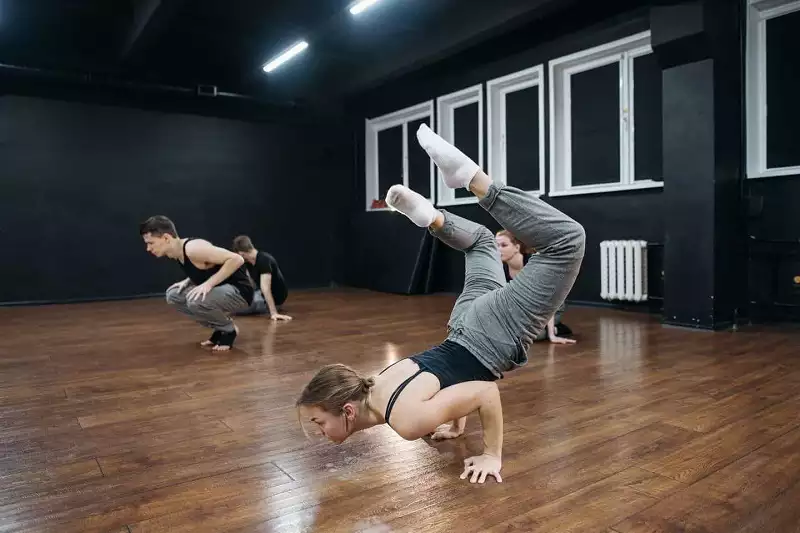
x=623 y=270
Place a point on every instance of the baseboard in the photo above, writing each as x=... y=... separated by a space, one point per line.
x=644 y=307
x=98 y=299
x=332 y=286
x=720 y=326
x=66 y=301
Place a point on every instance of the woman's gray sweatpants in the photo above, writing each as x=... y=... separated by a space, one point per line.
x=496 y=321
x=214 y=310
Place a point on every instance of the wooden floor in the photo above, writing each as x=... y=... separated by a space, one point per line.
x=115 y=421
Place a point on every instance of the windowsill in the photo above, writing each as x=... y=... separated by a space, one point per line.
x=774 y=172
x=457 y=201
x=608 y=187
x=474 y=199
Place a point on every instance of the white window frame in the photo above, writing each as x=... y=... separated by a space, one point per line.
x=622 y=51
x=497 y=90
x=374 y=126
x=445 y=109
x=758 y=13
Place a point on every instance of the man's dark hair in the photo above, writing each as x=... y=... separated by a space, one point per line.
x=242 y=243
x=157 y=226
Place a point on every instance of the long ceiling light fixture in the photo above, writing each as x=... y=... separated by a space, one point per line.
x=285 y=56
x=363 y=5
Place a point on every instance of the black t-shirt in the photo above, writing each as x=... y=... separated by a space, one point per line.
x=266 y=264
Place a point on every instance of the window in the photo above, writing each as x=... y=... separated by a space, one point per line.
x=594 y=145
x=392 y=155
x=515 y=105
x=773 y=82
x=459 y=117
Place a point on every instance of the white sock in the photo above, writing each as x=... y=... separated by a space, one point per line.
x=413 y=205
x=457 y=169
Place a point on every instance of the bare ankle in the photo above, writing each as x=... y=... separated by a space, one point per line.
x=479 y=186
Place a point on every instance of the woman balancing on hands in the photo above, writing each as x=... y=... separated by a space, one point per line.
x=490 y=329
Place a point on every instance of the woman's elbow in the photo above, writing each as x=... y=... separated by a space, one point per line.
x=491 y=393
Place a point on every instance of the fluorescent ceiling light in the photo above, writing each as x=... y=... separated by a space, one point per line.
x=285 y=56
x=358 y=7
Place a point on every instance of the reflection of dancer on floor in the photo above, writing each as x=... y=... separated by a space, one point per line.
x=490 y=329
x=515 y=255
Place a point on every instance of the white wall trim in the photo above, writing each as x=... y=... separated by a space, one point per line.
x=758 y=13
x=374 y=126
x=497 y=90
x=776 y=172
x=445 y=107
x=609 y=187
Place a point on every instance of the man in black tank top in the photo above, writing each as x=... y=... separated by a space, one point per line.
x=216 y=284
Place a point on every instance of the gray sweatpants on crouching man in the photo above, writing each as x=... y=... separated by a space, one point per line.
x=214 y=310
x=495 y=321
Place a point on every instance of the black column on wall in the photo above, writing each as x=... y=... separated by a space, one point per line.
x=696 y=44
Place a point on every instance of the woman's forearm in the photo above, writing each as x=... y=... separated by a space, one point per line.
x=491 y=414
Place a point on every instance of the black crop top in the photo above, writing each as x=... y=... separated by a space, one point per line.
x=450 y=362
x=239 y=279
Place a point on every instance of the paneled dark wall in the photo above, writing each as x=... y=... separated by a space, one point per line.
x=77 y=178
x=773 y=225
x=774 y=248
x=384 y=245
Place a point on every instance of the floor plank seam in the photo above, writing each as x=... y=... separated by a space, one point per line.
x=665 y=475
x=601 y=442
x=276 y=465
x=131 y=450
x=656 y=501
x=754 y=413
x=730 y=462
x=189 y=480
x=137 y=493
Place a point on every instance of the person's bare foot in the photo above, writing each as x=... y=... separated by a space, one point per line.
x=449 y=431
x=226 y=340
x=212 y=341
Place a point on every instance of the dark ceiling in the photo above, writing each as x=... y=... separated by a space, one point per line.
x=225 y=42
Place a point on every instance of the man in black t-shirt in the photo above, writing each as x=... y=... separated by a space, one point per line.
x=271 y=289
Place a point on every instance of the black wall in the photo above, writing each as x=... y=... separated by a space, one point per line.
x=773 y=217
x=774 y=248
x=731 y=245
x=76 y=178
x=384 y=245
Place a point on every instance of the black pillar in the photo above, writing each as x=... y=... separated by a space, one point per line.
x=698 y=46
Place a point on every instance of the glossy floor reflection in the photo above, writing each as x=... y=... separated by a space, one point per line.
x=113 y=420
